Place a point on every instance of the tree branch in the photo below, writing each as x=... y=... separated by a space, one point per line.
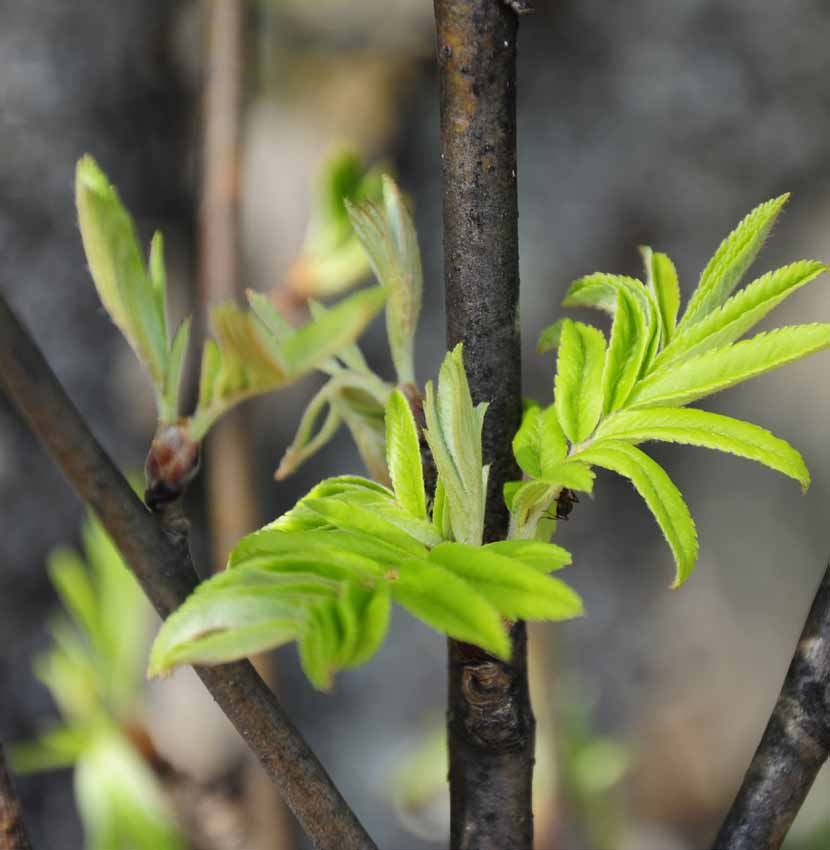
x=162 y=564
x=794 y=746
x=490 y=722
x=12 y=829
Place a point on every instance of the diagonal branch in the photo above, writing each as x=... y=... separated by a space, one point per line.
x=163 y=567
x=794 y=746
x=12 y=830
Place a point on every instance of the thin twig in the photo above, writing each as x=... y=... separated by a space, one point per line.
x=490 y=721
x=795 y=744
x=12 y=829
x=163 y=567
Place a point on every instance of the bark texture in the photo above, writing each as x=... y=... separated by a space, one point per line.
x=795 y=744
x=12 y=829
x=490 y=721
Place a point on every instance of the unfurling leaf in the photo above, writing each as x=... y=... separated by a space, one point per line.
x=388 y=236
x=626 y=350
x=660 y=494
x=733 y=257
x=711 y=430
x=579 y=384
x=404 y=456
x=661 y=279
x=539 y=444
x=454 y=437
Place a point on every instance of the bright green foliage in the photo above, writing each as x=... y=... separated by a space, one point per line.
x=733 y=257
x=454 y=437
x=579 y=379
x=661 y=279
x=134 y=296
x=651 y=368
x=94 y=671
x=332 y=259
x=388 y=236
x=257 y=352
x=324 y=573
x=660 y=494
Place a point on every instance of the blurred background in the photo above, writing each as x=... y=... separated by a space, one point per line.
x=644 y=122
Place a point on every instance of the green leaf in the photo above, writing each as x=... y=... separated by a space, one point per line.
x=454 y=437
x=543 y=557
x=539 y=444
x=350 y=517
x=450 y=605
x=173 y=379
x=720 y=368
x=579 y=379
x=626 y=351
x=739 y=313
x=337 y=328
x=514 y=589
x=660 y=494
x=711 y=430
x=403 y=455
x=389 y=239
x=373 y=626
x=733 y=257
x=158 y=279
x=118 y=269
x=572 y=474
x=550 y=336
x=661 y=279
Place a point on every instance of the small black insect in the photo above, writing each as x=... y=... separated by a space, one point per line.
x=565 y=503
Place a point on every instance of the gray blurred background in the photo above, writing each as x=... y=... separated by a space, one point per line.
x=643 y=122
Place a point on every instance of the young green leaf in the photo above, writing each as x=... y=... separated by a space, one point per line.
x=454 y=437
x=550 y=336
x=173 y=379
x=117 y=267
x=403 y=455
x=516 y=590
x=579 y=385
x=661 y=279
x=660 y=494
x=710 y=430
x=626 y=351
x=733 y=257
x=372 y=627
x=720 y=368
x=389 y=239
x=539 y=444
x=543 y=557
x=450 y=605
x=739 y=313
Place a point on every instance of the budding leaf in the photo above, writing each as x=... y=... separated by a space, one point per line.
x=404 y=455
x=661 y=279
x=579 y=385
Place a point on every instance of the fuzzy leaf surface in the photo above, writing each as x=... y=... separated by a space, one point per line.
x=710 y=430
x=578 y=385
x=403 y=455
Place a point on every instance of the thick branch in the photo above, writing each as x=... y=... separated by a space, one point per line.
x=12 y=830
x=794 y=746
x=163 y=567
x=491 y=725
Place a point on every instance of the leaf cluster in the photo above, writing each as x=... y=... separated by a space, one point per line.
x=325 y=574
x=611 y=395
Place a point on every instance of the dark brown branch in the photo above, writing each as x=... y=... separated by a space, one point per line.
x=12 y=829
x=795 y=744
x=163 y=567
x=491 y=725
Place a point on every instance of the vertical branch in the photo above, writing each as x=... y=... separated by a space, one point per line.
x=490 y=722
x=229 y=469
x=12 y=830
x=795 y=744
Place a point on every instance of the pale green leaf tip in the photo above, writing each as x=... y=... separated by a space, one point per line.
x=88 y=175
